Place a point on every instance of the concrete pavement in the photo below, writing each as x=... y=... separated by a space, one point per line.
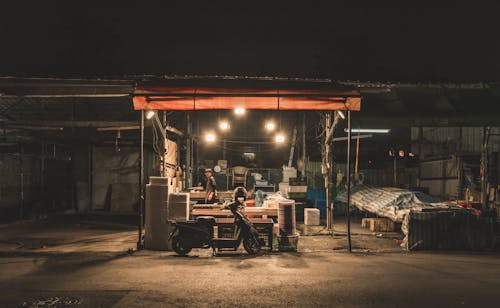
x=316 y=276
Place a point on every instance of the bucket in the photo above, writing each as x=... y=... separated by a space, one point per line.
x=250 y=203
x=321 y=206
x=286 y=217
x=288 y=242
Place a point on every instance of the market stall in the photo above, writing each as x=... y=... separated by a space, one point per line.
x=239 y=93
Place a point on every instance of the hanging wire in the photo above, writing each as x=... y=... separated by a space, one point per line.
x=158 y=143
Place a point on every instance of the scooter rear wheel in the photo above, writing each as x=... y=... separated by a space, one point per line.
x=251 y=245
x=179 y=246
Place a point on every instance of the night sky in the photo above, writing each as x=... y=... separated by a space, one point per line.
x=374 y=42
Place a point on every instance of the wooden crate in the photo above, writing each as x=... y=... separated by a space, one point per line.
x=365 y=222
x=382 y=225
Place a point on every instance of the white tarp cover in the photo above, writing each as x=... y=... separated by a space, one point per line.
x=170 y=158
x=393 y=203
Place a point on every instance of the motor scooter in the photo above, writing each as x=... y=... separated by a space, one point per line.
x=200 y=234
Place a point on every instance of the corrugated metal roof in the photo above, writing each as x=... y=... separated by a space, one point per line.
x=401 y=104
x=52 y=109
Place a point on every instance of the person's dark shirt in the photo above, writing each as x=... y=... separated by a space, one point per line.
x=209 y=183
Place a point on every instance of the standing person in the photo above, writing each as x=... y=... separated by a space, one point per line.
x=209 y=186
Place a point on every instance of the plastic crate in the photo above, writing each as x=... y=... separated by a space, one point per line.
x=321 y=206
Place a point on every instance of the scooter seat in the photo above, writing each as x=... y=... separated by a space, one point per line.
x=206 y=219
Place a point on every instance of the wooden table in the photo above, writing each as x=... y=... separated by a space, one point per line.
x=218 y=212
x=201 y=195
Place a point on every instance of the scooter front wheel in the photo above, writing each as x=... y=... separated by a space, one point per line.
x=179 y=246
x=251 y=245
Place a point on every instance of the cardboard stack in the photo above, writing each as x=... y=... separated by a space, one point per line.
x=156 y=229
x=311 y=217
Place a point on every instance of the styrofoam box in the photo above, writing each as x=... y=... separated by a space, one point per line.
x=271 y=204
x=156 y=230
x=289 y=172
x=284 y=187
x=311 y=217
x=178 y=206
x=298 y=188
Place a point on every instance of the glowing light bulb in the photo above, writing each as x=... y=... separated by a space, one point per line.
x=224 y=125
x=150 y=114
x=280 y=138
x=270 y=126
x=239 y=111
x=210 y=137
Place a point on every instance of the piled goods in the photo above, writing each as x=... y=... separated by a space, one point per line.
x=288 y=237
x=156 y=230
x=390 y=202
x=311 y=217
x=289 y=172
x=456 y=229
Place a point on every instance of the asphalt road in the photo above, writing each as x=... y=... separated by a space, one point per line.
x=308 y=279
x=83 y=261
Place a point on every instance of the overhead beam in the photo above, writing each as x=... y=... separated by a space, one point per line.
x=352 y=137
x=76 y=95
x=72 y=123
x=134 y=127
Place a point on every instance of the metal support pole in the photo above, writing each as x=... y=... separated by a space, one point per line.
x=395 y=169
x=421 y=153
x=187 y=172
x=224 y=145
x=43 y=205
x=484 y=168
x=163 y=122
x=327 y=173
x=357 y=158
x=292 y=148
x=304 y=144
x=89 y=175
x=348 y=174
x=141 y=185
x=21 y=163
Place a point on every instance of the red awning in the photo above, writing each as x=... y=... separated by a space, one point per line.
x=190 y=97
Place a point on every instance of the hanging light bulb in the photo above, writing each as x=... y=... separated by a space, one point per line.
x=279 y=138
x=224 y=125
x=270 y=126
x=150 y=114
x=239 y=111
x=210 y=137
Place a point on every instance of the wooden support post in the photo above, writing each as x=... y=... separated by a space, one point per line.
x=140 y=243
x=326 y=171
x=348 y=174
x=484 y=167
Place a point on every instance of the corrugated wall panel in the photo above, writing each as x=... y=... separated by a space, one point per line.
x=439 y=168
x=414 y=133
x=440 y=134
x=472 y=138
x=432 y=169
x=495 y=139
x=452 y=230
x=314 y=176
x=445 y=188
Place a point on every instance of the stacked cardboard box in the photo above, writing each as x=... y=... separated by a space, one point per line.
x=381 y=225
x=378 y=224
x=156 y=229
x=311 y=217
